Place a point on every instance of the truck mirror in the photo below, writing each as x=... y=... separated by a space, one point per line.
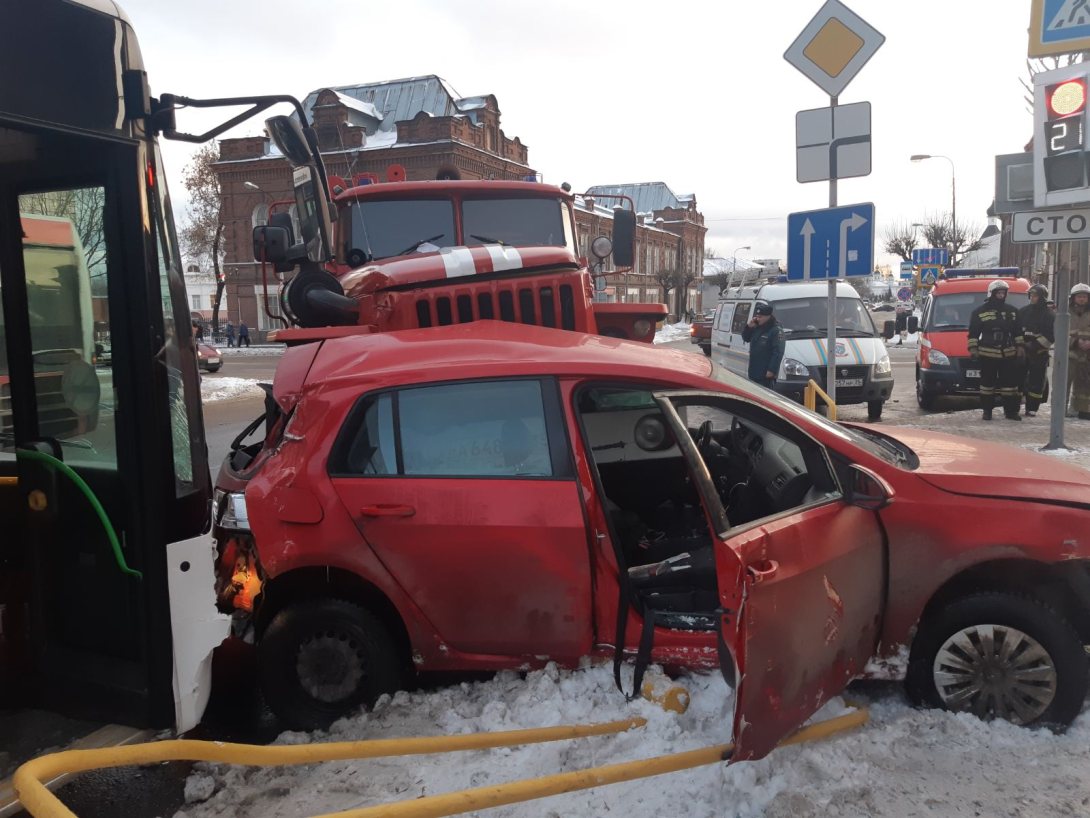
x=913 y=324
x=624 y=237
x=889 y=329
x=283 y=220
x=271 y=243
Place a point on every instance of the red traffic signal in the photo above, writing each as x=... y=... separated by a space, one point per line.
x=1066 y=98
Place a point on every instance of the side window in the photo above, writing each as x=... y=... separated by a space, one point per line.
x=482 y=429
x=721 y=319
x=741 y=316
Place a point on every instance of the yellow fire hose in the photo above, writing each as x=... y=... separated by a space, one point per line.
x=41 y=803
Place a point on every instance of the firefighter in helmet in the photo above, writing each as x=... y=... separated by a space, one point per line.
x=1079 y=346
x=995 y=339
x=1037 y=322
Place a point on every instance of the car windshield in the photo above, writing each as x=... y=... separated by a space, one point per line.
x=951 y=311
x=879 y=445
x=808 y=316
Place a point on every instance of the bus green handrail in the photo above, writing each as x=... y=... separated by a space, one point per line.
x=100 y=512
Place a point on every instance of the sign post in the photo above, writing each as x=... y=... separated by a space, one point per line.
x=830 y=51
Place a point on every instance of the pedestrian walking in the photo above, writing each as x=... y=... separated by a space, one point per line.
x=903 y=310
x=995 y=339
x=243 y=334
x=1079 y=350
x=764 y=335
x=198 y=330
x=1038 y=335
x=230 y=331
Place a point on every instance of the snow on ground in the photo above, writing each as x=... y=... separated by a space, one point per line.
x=213 y=389
x=272 y=349
x=672 y=332
x=904 y=762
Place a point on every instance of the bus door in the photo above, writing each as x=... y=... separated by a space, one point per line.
x=101 y=447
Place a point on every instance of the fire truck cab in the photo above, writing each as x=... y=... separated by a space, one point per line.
x=943 y=365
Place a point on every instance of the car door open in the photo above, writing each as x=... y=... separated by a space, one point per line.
x=801 y=585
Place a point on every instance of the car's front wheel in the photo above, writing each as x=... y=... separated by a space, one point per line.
x=999 y=655
x=874 y=409
x=320 y=659
x=925 y=398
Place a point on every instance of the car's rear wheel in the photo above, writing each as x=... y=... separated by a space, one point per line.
x=998 y=655
x=320 y=659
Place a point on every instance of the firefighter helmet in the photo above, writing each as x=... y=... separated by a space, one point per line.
x=998 y=284
x=1041 y=290
x=1080 y=288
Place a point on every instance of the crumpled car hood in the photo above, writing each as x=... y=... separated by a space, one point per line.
x=963 y=465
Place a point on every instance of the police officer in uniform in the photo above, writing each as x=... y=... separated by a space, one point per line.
x=766 y=344
x=995 y=339
x=1038 y=335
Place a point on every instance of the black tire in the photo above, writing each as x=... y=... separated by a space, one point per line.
x=1060 y=642
x=874 y=409
x=353 y=643
x=706 y=349
x=924 y=398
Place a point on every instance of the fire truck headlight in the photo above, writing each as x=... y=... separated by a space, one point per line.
x=641 y=327
x=936 y=358
x=234 y=516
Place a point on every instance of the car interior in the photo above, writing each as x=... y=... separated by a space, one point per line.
x=659 y=527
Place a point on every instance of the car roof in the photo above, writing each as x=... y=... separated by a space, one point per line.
x=978 y=284
x=488 y=349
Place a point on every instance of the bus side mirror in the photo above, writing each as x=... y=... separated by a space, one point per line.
x=888 y=330
x=913 y=324
x=624 y=237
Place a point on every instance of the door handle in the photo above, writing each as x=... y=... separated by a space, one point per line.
x=763 y=570
x=387 y=510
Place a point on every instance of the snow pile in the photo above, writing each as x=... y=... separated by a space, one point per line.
x=672 y=332
x=213 y=389
x=903 y=762
x=231 y=352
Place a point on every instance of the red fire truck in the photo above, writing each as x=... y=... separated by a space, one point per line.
x=410 y=255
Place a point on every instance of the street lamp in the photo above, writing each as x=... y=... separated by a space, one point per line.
x=734 y=263
x=919 y=157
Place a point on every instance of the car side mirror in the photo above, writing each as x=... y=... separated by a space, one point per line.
x=889 y=329
x=913 y=324
x=867 y=490
x=624 y=237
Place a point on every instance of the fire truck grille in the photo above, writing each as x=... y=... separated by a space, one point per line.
x=548 y=306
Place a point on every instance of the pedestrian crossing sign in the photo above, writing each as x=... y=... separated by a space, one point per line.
x=1059 y=27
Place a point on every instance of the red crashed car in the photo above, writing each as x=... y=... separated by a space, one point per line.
x=493 y=495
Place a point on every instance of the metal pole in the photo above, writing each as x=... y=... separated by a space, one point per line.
x=830 y=367
x=1061 y=284
x=953 y=207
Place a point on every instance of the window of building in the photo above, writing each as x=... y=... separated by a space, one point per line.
x=260 y=215
x=195 y=301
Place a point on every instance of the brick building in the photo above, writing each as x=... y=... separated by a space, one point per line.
x=669 y=238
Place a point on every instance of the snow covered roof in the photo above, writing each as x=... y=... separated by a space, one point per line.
x=648 y=196
x=986 y=256
x=395 y=100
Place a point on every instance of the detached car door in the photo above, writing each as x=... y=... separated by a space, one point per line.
x=802 y=587
x=466 y=493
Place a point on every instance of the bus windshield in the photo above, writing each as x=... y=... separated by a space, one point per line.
x=951 y=311
x=802 y=317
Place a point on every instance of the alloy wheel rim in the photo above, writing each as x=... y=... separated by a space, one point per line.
x=995 y=670
x=330 y=666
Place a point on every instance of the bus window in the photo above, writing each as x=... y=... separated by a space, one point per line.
x=64 y=258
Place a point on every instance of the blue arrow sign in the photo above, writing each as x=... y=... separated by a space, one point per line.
x=832 y=243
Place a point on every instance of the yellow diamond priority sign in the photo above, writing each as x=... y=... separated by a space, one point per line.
x=833 y=47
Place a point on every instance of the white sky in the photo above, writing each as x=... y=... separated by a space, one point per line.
x=697 y=96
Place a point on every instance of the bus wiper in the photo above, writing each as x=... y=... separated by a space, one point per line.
x=412 y=247
x=488 y=240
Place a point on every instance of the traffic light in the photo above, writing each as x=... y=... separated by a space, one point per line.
x=1060 y=157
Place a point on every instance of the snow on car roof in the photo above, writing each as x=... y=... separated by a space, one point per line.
x=497 y=348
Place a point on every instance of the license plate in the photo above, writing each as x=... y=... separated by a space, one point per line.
x=849 y=382
x=213 y=360
x=972 y=373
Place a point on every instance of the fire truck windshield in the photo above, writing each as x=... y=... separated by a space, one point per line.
x=375 y=229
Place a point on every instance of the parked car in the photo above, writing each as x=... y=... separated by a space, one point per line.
x=491 y=496
x=883 y=308
x=700 y=331
x=208 y=357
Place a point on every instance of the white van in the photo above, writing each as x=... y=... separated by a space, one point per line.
x=863 y=371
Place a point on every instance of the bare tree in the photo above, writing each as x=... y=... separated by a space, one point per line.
x=202 y=233
x=668 y=280
x=84 y=207
x=938 y=231
x=900 y=240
